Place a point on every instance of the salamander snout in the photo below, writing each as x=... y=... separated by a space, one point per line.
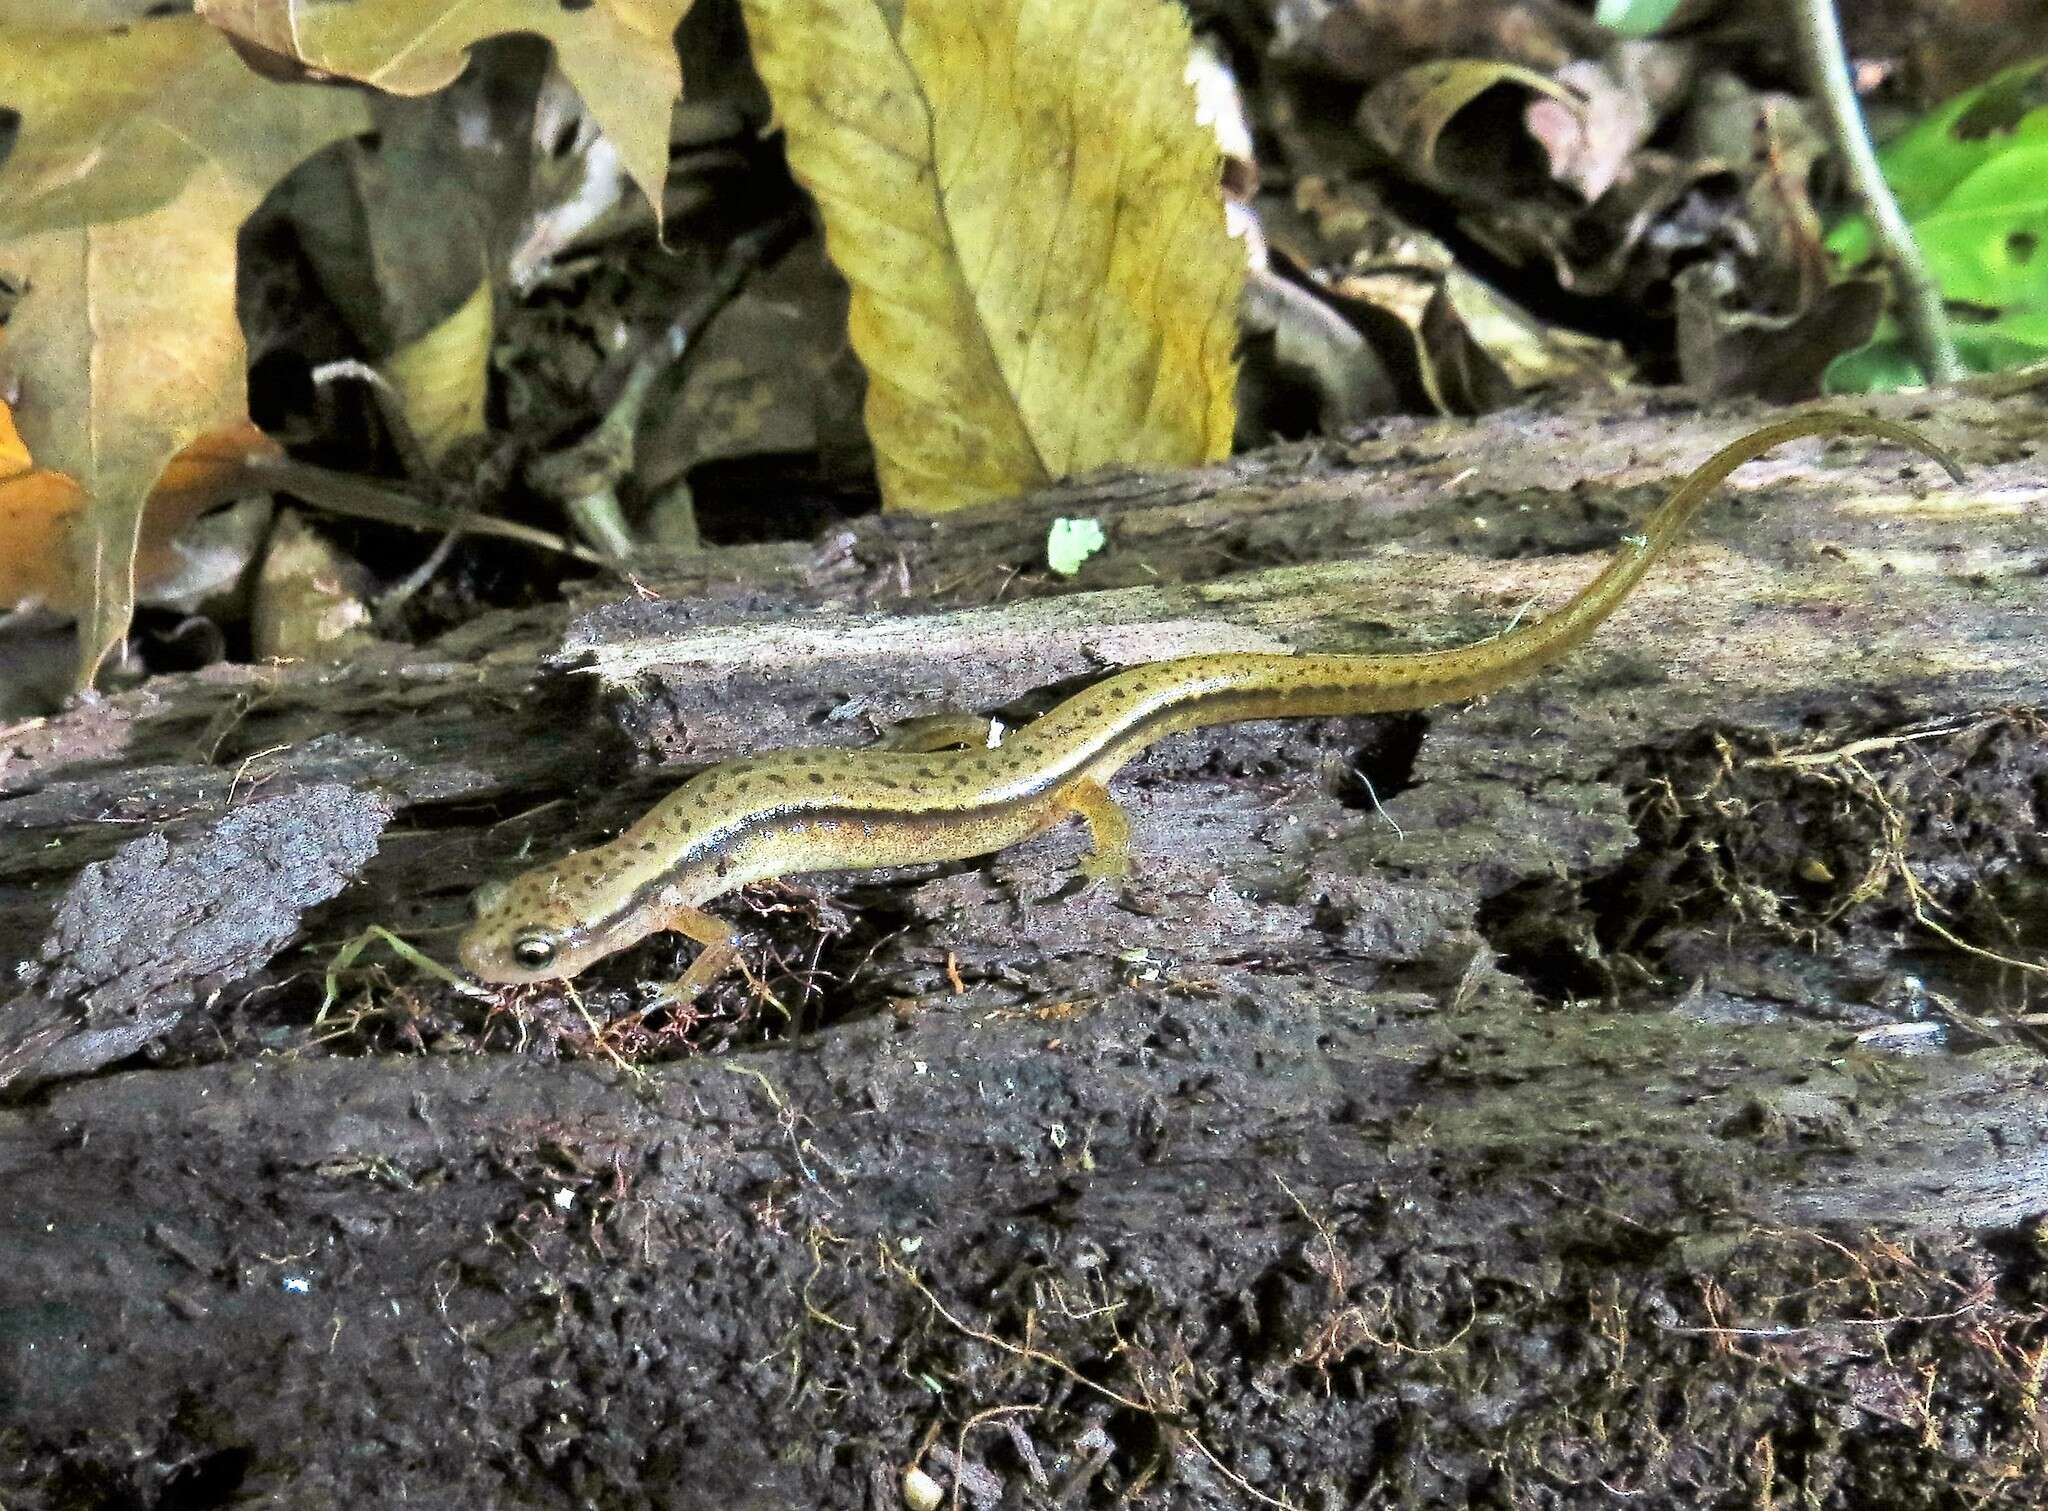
x=512 y=942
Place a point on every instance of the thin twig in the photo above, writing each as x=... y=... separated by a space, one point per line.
x=389 y=503
x=584 y=477
x=1826 y=61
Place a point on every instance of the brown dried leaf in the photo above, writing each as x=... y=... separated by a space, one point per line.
x=310 y=600
x=1411 y=118
x=1471 y=349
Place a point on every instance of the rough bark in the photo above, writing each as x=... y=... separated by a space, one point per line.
x=1578 y=1093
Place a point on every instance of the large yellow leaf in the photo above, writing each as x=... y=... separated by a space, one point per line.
x=620 y=54
x=141 y=149
x=115 y=119
x=126 y=349
x=1032 y=224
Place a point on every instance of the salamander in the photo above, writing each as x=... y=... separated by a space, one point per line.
x=784 y=814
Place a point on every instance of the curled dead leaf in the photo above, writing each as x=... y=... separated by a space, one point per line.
x=1454 y=342
x=1411 y=117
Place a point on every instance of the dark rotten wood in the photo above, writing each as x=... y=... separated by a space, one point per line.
x=1413 y=1129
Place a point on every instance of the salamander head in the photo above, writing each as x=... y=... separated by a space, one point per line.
x=528 y=929
x=552 y=922
x=549 y=923
x=700 y=842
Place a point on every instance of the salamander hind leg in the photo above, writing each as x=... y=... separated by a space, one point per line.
x=1109 y=830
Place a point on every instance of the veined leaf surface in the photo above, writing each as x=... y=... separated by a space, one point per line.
x=1031 y=220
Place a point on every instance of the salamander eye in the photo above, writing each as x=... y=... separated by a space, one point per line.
x=534 y=951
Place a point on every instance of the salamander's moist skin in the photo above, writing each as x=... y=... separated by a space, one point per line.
x=840 y=810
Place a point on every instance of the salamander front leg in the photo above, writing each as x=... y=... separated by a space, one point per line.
x=933 y=732
x=1109 y=830
x=718 y=956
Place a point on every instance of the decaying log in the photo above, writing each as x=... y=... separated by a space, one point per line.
x=1554 y=1098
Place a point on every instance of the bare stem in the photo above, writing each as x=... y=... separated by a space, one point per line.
x=585 y=477
x=1920 y=309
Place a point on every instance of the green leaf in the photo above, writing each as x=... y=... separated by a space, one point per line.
x=1875 y=367
x=1070 y=543
x=1928 y=160
x=1884 y=365
x=1987 y=243
x=1972 y=179
x=2026 y=329
x=1635 y=18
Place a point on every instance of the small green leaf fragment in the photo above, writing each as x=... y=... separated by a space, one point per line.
x=1071 y=542
x=1634 y=18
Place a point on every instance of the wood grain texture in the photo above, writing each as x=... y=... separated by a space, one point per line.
x=1423 y=1058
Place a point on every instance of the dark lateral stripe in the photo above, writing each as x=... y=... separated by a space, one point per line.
x=1223 y=705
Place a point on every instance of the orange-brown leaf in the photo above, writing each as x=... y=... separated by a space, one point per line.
x=206 y=474
x=36 y=509
x=41 y=510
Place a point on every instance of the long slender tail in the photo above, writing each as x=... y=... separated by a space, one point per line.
x=1467 y=671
